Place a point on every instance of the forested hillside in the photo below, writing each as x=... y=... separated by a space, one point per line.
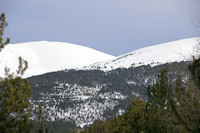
x=82 y=97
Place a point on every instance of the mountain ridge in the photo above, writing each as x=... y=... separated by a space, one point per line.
x=44 y=57
x=175 y=51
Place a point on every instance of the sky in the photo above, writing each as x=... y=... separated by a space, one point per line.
x=111 y=26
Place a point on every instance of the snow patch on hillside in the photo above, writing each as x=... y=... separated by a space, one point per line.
x=83 y=104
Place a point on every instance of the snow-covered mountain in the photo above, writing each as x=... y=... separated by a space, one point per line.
x=176 y=51
x=85 y=96
x=46 y=57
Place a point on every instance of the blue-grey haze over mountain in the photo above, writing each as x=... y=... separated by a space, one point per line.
x=112 y=26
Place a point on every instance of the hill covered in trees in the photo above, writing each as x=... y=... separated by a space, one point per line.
x=82 y=97
x=169 y=108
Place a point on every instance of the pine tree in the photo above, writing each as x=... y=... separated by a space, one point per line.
x=186 y=103
x=14 y=95
x=157 y=106
x=3 y=24
x=14 y=111
x=134 y=118
x=14 y=99
x=160 y=92
x=41 y=120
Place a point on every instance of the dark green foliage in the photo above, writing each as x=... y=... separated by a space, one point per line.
x=160 y=92
x=40 y=119
x=59 y=126
x=195 y=72
x=186 y=104
x=40 y=122
x=3 y=24
x=14 y=108
x=131 y=122
x=157 y=105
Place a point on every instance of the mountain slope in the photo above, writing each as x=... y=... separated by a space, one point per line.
x=46 y=57
x=176 y=51
x=85 y=96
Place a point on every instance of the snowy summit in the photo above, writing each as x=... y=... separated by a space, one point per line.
x=176 y=51
x=44 y=57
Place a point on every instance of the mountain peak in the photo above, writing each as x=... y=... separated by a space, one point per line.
x=44 y=56
x=176 y=51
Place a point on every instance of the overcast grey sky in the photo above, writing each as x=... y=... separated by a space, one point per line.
x=112 y=26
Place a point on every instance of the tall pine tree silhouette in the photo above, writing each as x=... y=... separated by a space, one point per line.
x=14 y=95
